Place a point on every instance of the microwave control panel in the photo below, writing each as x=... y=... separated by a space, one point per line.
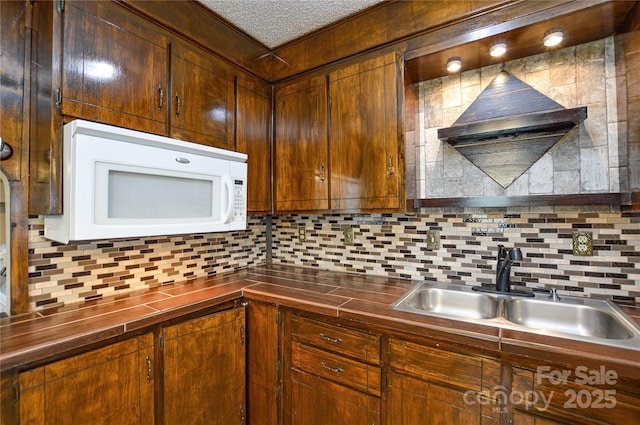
x=240 y=200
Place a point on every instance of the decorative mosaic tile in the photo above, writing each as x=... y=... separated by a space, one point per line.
x=397 y=247
x=62 y=274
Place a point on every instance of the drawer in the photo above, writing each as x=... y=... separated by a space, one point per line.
x=337 y=368
x=350 y=342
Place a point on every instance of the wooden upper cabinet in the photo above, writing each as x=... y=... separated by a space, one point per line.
x=253 y=115
x=204 y=370
x=114 y=67
x=301 y=146
x=12 y=79
x=202 y=100
x=366 y=160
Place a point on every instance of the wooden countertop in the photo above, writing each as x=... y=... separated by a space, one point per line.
x=34 y=338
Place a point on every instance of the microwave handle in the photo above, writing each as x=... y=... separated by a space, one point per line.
x=226 y=181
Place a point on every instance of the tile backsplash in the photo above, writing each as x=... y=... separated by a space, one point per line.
x=395 y=245
x=62 y=274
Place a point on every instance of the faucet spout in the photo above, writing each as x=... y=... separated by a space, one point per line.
x=503 y=271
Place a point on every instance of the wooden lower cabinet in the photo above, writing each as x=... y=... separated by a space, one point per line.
x=573 y=395
x=204 y=370
x=332 y=374
x=521 y=418
x=263 y=382
x=109 y=385
x=318 y=401
x=418 y=402
x=430 y=384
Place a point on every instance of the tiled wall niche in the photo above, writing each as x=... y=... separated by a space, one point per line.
x=395 y=245
x=591 y=158
x=63 y=274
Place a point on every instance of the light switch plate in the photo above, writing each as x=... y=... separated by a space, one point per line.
x=583 y=244
x=433 y=239
x=348 y=236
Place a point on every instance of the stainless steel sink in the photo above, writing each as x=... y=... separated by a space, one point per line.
x=584 y=317
x=446 y=302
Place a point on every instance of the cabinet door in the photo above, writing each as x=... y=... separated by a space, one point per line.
x=301 y=148
x=202 y=98
x=114 y=67
x=520 y=418
x=417 y=402
x=110 y=385
x=315 y=401
x=262 y=363
x=253 y=129
x=579 y=395
x=204 y=370
x=432 y=383
x=365 y=155
x=12 y=79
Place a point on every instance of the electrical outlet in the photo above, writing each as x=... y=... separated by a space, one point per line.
x=302 y=233
x=433 y=239
x=348 y=236
x=583 y=243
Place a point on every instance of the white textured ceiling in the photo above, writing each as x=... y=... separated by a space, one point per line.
x=275 y=22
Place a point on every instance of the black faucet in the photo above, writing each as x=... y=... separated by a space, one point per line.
x=503 y=269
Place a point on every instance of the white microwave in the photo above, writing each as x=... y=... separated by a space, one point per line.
x=123 y=183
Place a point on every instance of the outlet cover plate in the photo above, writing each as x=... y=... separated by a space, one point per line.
x=433 y=239
x=302 y=233
x=583 y=244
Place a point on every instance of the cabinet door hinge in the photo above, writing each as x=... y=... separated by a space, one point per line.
x=57 y=96
x=278 y=392
x=161 y=341
x=242 y=415
x=16 y=392
x=278 y=318
x=242 y=334
x=277 y=366
x=60 y=6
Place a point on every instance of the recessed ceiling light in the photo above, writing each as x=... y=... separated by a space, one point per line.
x=553 y=38
x=454 y=65
x=498 y=49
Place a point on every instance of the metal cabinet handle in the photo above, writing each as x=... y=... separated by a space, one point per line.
x=178 y=105
x=148 y=369
x=332 y=369
x=6 y=151
x=328 y=338
x=390 y=168
x=161 y=96
x=322 y=172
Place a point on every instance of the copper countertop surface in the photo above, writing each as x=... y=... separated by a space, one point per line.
x=31 y=339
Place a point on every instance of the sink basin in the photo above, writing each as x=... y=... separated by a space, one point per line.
x=447 y=302
x=583 y=317
x=580 y=319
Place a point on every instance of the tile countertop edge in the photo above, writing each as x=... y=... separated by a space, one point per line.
x=34 y=351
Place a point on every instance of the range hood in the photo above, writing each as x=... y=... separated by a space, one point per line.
x=509 y=127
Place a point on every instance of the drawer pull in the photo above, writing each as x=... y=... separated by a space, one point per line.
x=328 y=338
x=332 y=369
